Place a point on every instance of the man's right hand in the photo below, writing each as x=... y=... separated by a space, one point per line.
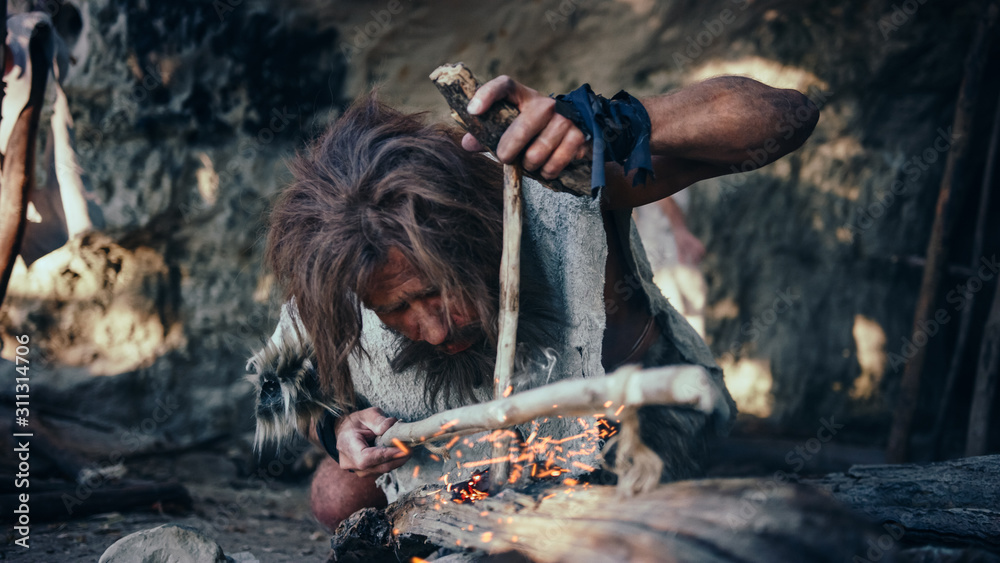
x=356 y=435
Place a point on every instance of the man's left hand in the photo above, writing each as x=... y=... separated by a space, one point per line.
x=551 y=140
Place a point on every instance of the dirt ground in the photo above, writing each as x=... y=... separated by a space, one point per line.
x=271 y=523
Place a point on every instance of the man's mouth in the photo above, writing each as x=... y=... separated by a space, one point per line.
x=462 y=339
x=455 y=347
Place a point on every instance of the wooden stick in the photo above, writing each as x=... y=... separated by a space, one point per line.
x=19 y=159
x=628 y=387
x=965 y=322
x=953 y=188
x=457 y=84
x=985 y=391
x=510 y=284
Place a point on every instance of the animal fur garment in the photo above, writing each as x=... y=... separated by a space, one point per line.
x=287 y=387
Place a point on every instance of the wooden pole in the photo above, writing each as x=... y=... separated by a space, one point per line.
x=965 y=322
x=19 y=159
x=985 y=392
x=953 y=188
x=510 y=277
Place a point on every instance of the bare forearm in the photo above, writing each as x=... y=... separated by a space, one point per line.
x=710 y=128
x=728 y=120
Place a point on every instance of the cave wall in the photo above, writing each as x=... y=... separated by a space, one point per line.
x=186 y=110
x=184 y=115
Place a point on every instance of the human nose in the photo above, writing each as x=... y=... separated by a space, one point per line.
x=426 y=324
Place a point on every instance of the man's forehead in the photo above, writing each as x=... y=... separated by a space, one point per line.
x=392 y=280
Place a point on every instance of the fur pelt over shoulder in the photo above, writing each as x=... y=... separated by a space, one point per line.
x=288 y=392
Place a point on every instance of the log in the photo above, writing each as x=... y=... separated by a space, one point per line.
x=68 y=503
x=718 y=520
x=954 y=185
x=457 y=84
x=713 y=520
x=955 y=502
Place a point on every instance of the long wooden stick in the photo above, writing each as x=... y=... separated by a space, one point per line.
x=953 y=187
x=510 y=288
x=628 y=387
x=457 y=84
x=985 y=392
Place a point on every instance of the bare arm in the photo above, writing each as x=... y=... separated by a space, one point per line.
x=698 y=132
x=711 y=128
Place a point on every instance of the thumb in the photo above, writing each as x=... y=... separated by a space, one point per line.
x=471 y=144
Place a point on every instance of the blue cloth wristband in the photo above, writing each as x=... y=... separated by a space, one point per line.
x=619 y=128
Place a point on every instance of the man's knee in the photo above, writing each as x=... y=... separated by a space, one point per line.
x=337 y=493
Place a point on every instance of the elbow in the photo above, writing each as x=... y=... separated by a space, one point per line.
x=804 y=115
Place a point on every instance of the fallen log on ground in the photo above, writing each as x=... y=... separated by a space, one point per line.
x=713 y=520
x=954 y=502
x=77 y=501
x=716 y=520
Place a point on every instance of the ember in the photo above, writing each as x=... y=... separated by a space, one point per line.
x=476 y=488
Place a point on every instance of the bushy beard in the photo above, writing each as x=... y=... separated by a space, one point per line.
x=453 y=377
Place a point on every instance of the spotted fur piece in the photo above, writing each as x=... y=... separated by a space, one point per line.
x=287 y=385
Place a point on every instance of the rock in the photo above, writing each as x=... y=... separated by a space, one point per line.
x=168 y=543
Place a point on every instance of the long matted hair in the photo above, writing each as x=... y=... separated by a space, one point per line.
x=378 y=179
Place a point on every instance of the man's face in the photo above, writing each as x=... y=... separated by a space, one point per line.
x=409 y=304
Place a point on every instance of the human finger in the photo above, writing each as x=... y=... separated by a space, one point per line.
x=546 y=142
x=375 y=420
x=491 y=92
x=383 y=468
x=351 y=447
x=571 y=144
x=377 y=456
x=534 y=117
x=471 y=144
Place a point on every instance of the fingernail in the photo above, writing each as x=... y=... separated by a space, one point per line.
x=475 y=106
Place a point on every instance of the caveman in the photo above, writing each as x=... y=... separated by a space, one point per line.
x=388 y=241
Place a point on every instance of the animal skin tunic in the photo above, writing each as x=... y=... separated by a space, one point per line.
x=560 y=243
